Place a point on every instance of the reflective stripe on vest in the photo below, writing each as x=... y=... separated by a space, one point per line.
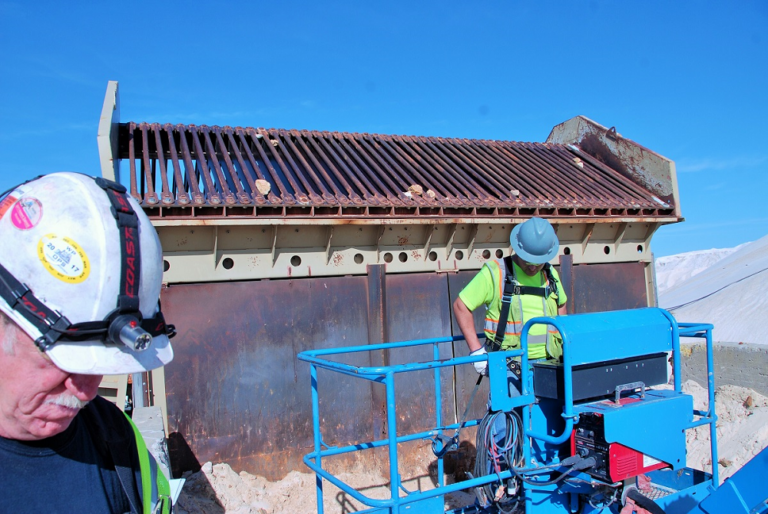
x=514 y=328
x=152 y=480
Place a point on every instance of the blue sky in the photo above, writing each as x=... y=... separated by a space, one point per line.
x=686 y=79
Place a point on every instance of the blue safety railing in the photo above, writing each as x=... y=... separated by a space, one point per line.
x=385 y=375
x=319 y=359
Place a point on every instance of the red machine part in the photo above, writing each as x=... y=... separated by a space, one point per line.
x=614 y=461
x=627 y=463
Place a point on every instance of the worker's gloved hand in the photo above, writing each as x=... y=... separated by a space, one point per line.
x=633 y=508
x=644 y=483
x=481 y=366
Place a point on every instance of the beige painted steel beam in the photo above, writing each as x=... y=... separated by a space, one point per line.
x=249 y=252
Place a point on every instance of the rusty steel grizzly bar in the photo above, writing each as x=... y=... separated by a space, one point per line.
x=262 y=171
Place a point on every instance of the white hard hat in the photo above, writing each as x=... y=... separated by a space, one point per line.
x=80 y=272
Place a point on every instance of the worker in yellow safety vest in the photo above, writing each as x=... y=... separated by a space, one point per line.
x=80 y=276
x=514 y=290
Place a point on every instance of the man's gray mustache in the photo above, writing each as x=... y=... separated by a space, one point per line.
x=67 y=400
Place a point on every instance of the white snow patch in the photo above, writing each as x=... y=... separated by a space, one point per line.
x=676 y=269
x=731 y=293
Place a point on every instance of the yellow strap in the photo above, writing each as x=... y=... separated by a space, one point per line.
x=164 y=492
x=163 y=487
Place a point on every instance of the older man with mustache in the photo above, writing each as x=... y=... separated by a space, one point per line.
x=80 y=277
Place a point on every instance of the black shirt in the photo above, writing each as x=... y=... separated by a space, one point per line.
x=64 y=473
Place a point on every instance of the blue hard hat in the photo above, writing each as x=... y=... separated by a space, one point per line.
x=534 y=241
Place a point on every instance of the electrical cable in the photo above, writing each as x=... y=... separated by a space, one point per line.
x=576 y=466
x=714 y=292
x=600 y=508
x=497 y=452
x=500 y=451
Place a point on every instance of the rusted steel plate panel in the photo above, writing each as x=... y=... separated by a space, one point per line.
x=261 y=169
x=466 y=376
x=236 y=391
x=565 y=270
x=418 y=308
x=609 y=287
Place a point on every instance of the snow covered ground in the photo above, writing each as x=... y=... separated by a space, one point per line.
x=728 y=288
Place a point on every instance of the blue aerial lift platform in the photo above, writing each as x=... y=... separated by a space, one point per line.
x=589 y=432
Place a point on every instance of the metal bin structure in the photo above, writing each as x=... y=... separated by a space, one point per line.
x=281 y=241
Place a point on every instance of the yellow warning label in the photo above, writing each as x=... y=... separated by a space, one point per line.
x=63 y=258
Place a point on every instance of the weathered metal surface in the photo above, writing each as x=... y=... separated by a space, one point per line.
x=609 y=287
x=565 y=270
x=641 y=165
x=466 y=377
x=236 y=392
x=378 y=333
x=185 y=170
x=418 y=307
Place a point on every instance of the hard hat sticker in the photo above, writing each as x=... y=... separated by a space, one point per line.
x=26 y=213
x=63 y=258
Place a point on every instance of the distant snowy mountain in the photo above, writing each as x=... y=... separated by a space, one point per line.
x=676 y=269
x=725 y=287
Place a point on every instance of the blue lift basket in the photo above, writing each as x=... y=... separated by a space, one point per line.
x=653 y=422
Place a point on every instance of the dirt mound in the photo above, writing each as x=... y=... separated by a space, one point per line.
x=742 y=428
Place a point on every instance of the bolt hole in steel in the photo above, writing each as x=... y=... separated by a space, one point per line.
x=228 y=263
x=486 y=254
x=387 y=257
x=606 y=250
x=459 y=255
x=432 y=256
x=295 y=261
x=403 y=257
x=499 y=254
x=359 y=258
x=566 y=251
x=639 y=248
x=166 y=265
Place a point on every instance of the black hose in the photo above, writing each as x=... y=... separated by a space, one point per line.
x=643 y=501
x=578 y=464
